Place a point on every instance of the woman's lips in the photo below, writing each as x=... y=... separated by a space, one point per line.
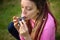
x=24 y=15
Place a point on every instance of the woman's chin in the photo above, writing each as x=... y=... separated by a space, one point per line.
x=26 y=18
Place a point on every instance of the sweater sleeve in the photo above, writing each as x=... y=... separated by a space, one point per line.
x=49 y=30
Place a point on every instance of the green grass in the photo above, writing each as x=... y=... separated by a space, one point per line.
x=12 y=7
x=55 y=8
x=4 y=35
x=7 y=11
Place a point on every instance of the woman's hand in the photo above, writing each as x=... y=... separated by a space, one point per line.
x=15 y=21
x=22 y=29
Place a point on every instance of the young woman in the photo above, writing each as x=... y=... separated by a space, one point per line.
x=39 y=24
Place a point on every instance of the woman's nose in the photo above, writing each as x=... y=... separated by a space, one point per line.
x=24 y=11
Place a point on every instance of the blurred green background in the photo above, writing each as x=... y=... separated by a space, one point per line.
x=9 y=8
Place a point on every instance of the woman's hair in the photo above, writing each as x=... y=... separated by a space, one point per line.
x=39 y=22
x=41 y=19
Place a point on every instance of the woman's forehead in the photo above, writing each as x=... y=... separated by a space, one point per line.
x=27 y=2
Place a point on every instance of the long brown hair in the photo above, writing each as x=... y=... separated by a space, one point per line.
x=41 y=19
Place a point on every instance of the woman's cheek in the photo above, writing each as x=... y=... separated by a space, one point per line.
x=30 y=15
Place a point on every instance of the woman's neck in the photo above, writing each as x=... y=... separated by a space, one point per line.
x=34 y=18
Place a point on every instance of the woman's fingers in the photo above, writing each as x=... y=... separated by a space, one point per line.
x=25 y=24
x=22 y=29
x=15 y=20
x=21 y=24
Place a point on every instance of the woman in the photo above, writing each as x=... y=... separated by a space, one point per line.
x=39 y=24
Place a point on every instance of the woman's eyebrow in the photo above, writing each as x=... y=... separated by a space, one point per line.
x=29 y=6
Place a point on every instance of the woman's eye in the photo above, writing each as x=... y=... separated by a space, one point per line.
x=29 y=9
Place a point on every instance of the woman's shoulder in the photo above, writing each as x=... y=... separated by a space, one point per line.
x=49 y=29
x=50 y=17
x=50 y=21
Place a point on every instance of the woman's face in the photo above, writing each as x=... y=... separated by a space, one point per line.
x=29 y=9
